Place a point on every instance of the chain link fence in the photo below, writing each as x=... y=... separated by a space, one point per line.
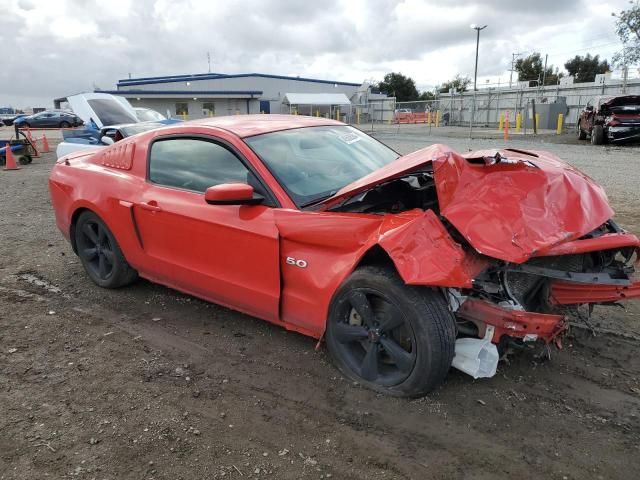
x=525 y=108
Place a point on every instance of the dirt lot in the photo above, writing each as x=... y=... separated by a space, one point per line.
x=148 y=383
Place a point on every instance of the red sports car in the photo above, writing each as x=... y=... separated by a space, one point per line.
x=397 y=262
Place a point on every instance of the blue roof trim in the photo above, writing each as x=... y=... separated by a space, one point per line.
x=171 y=76
x=214 y=76
x=181 y=92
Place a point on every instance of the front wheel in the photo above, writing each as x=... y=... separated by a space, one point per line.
x=582 y=135
x=100 y=254
x=65 y=124
x=391 y=337
x=597 y=135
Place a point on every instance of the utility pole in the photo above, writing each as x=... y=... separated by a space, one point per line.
x=514 y=57
x=544 y=72
x=209 y=61
x=475 y=76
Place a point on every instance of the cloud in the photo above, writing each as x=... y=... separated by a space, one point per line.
x=68 y=46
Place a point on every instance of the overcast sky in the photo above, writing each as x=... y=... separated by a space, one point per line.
x=52 y=48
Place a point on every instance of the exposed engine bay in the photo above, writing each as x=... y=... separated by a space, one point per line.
x=417 y=190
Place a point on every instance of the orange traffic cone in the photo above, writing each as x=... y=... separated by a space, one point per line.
x=10 y=162
x=45 y=144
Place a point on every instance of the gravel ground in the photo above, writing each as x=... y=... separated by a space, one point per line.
x=147 y=383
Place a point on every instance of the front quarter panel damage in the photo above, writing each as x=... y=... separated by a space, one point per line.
x=425 y=254
x=331 y=246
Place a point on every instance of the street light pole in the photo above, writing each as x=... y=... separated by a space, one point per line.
x=475 y=75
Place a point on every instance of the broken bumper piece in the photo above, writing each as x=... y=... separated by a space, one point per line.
x=570 y=293
x=528 y=326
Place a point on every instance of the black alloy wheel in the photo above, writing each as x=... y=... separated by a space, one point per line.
x=374 y=338
x=65 y=124
x=391 y=337
x=100 y=254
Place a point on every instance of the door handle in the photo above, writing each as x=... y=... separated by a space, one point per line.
x=152 y=206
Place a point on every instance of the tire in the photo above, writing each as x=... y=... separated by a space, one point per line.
x=393 y=338
x=582 y=135
x=100 y=254
x=597 y=135
x=65 y=124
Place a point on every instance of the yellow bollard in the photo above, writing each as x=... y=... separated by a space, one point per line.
x=560 y=122
x=501 y=121
x=317 y=113
x=338 y=115
x=184 y=116
x=506 y=127
x=518 y=121
x=428 y=118
x=438 y=118
x=357 y=116
x=537 y=121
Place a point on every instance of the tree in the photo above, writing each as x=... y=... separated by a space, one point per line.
x=459 y=84
x=585 y=69
x=628 y=29
x=532 y=68
x=427 y=95
x=399 y=86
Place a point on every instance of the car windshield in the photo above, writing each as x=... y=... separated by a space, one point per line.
x=110 y=112
x=148 y=115
x=314 y=163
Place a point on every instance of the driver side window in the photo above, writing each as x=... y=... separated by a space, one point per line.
x=194 y=164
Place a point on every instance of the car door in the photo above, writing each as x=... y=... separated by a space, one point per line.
x=46 y=120
x=228 y=254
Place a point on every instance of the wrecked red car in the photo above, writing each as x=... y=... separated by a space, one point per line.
x=611 y=119
x=404 y=265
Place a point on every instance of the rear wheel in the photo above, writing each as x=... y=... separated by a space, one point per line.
x=391 y=337
x=100 y=254
x=597 y=135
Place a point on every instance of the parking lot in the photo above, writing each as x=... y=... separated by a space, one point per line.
x=146 y=382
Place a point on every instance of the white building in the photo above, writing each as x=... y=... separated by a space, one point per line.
x=214 y=94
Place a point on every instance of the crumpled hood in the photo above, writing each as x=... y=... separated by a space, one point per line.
x=508 y=204
x=519 y=207
x=621 y=100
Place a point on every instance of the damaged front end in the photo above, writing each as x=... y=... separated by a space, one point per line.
x=621 y=118
x=515 y=305
x=516 y=239
x=531 y=301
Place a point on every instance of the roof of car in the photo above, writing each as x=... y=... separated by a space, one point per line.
x=249 y=125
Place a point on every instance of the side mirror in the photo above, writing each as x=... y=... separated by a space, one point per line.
x=232 y=194
x=107 y=140
x=589 y=108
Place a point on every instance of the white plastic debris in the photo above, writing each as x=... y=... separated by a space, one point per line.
x=477 y=357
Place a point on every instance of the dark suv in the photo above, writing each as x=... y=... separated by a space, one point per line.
x=49 y=118
x=611 y=119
